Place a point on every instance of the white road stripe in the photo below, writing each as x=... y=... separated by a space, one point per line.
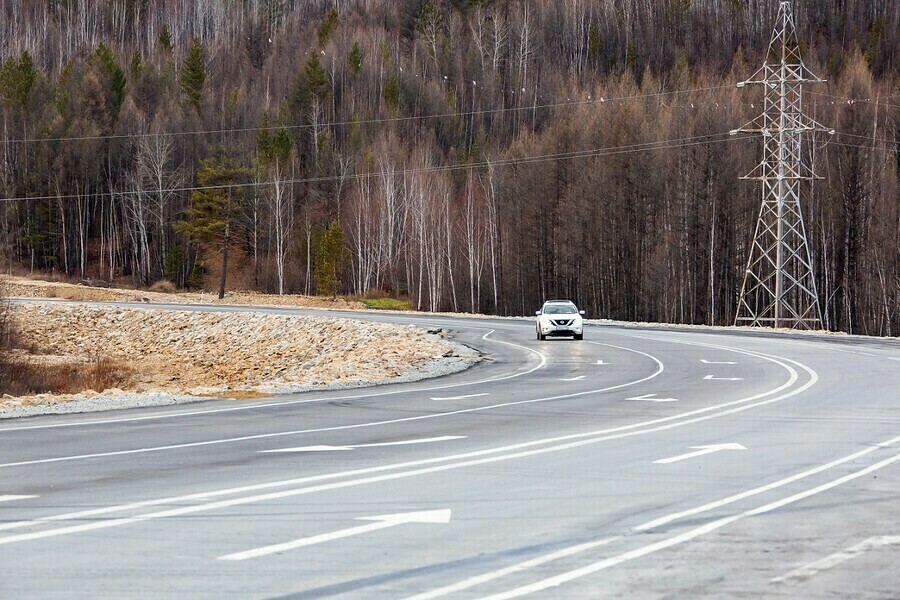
x=444 y=438
x=552 y=582
x=807 y=571
x=10 y=498
x=579 y=378
x=480 y=457
x=522 y=566
x=462 y=397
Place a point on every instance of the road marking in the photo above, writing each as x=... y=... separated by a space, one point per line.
x=764 y=488
x=713 y=362
x=700 y=451
x=308 y=449
x=807 y=571
x=522 y=566
x=651 y=398
x=711 y=378
x=690 y=535
x=460 y=411
x=600 y=362
x=192 y=413
x=462 y=397
x=381 y=522
x=378 y=445
x=10 y=498
x=580 y=377
x=515 y=451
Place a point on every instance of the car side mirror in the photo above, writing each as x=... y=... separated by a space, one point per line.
x=581 y=312
x=537 y=312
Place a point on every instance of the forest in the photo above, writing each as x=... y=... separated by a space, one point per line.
x=469 y=155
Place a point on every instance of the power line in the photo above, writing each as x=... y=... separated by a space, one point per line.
x=877 y=101
x=487 y=111
x=591 y=153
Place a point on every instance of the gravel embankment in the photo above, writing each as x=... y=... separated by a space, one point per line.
x=177 y=356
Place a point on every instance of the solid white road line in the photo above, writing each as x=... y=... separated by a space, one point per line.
x=579 y=378
x=829 y=562
x=764 y=488
x=462 y=397
x=10 y=498
x=712 y=378
x=515 y=451
x=717 y=362
x=590 y=569
x=700 y=451
x=381 y=522
x=444 y=438
x=522 y=566
x=261 y=436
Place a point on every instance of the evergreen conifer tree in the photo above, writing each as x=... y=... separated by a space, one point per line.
x=193 y=74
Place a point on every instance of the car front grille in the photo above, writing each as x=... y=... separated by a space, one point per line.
x=562 y=322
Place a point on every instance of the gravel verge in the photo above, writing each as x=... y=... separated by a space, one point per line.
x=183 y=356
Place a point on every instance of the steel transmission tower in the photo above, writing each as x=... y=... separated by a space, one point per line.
x=779 y=287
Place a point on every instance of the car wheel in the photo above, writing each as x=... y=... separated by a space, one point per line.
x=578 y=336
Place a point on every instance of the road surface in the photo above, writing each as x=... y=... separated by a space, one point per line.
x=638 y=463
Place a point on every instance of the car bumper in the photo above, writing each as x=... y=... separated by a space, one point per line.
x=561 y=330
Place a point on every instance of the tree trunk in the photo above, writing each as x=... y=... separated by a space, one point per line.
x=225 y=244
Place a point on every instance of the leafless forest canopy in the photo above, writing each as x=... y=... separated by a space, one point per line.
x=477 y=155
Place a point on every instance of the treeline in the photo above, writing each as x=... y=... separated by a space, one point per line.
x=472 y=155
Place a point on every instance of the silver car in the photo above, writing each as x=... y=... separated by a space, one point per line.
x=559 y=318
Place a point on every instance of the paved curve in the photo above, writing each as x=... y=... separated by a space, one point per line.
x=639 y=463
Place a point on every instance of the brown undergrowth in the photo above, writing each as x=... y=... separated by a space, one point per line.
x=26 y=374
x=27 y=371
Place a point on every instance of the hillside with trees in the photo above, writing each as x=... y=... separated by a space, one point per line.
x=472 y=155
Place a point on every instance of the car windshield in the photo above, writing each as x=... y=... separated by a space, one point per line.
x=559 y=309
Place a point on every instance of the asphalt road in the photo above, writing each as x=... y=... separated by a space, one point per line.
x=638 y=463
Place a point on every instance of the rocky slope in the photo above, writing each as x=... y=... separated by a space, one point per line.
x=229 y=354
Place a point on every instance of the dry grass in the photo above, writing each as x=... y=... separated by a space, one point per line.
x=31 y=375
x=164 y=286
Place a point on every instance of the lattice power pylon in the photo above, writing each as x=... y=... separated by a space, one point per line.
x=779 y=287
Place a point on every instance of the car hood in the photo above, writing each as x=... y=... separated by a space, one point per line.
x=562 y=317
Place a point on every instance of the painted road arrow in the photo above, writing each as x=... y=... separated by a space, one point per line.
x=461 y=397
x=10 y=498
x=700 y=451
x=444 y=438
x=651 y=398
x=380 y=522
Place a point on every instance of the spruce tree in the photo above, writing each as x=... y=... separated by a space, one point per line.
x=329 y=260
x=214 y=207
x=355 y=59
x=193 y=74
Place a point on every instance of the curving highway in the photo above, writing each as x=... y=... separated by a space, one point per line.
x=638 y=463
